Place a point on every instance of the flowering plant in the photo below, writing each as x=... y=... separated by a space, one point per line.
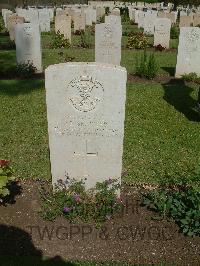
x=159 y=47
x=137 y=41
x=74 y=202
x=6 y=177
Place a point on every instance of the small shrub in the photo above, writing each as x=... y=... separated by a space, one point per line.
x=72 y=201
x=132 y=22
x=59 y=41
x=6 y=177
x=107 y=10
x=26 y=70
x=159 y=47
x=147 y=66
x=181 y=205
x=78 y=32
x=102 y=19
x=137 y=41
x=3 y=29
x=85 y=40
x=65 y=57
x=91 y=29
x=191 y=77
x=174 y=33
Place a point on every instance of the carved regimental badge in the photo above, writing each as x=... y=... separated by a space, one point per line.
x=85 y=93
x=192 y=40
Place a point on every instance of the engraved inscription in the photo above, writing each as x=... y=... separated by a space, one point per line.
x=192 y=40
x=72 y=126
x=85 y=93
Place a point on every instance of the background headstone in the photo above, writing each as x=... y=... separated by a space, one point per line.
x=188 y=57
x=63 y=25
x=108 y=43
x=28 y=45
x=12 y=22
x=79 y=22
x=162 y=32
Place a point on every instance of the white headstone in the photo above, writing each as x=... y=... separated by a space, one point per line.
x=113 y=19
x=100 y=12
x=44 y=20
x=149 y=21
x=162 y=32
x=79 y=22
x=185 y=21
x=86 y=112
x=63 y=25
x=6 y=16
x=141 y=17
x=28 y=45
x=88 y=16
x=188 y=57
x=108 y=43
x=12 y=22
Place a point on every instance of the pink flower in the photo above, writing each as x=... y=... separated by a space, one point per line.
x=66 y=209
x=77 y=198
x=109 y=181
x=119 y=200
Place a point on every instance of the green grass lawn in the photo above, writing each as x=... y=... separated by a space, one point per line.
x=161 y=129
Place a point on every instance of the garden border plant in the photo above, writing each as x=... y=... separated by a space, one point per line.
x=71 y=200
x=6 y=178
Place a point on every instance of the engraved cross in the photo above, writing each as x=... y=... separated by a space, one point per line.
x=87 y=153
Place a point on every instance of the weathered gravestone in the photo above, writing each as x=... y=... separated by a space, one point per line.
x=63 y=25
x=28 y=45
x=113 y=19
x=162 y=32
x=115 y=12
x=149 y=21
x=33 y=16
x=100 y=12
x=185 y=21
x=141 y=17
x=88 y=16
x=85 y=111
x=79 y=21
x=108 y=43
x=44 y=20
x=6 y=16
x=188 y=57
x=172 y=17
x=196 y=21
x=12 y=22
x=94 y=15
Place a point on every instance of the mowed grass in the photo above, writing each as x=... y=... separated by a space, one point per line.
x=161 y=130
x=166 y=60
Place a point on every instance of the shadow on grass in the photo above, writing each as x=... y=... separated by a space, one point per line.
x=170 y=70
x=17 y=87
x=15 y=189
x=17 y=249
x=8 y=64
x=178 y=95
